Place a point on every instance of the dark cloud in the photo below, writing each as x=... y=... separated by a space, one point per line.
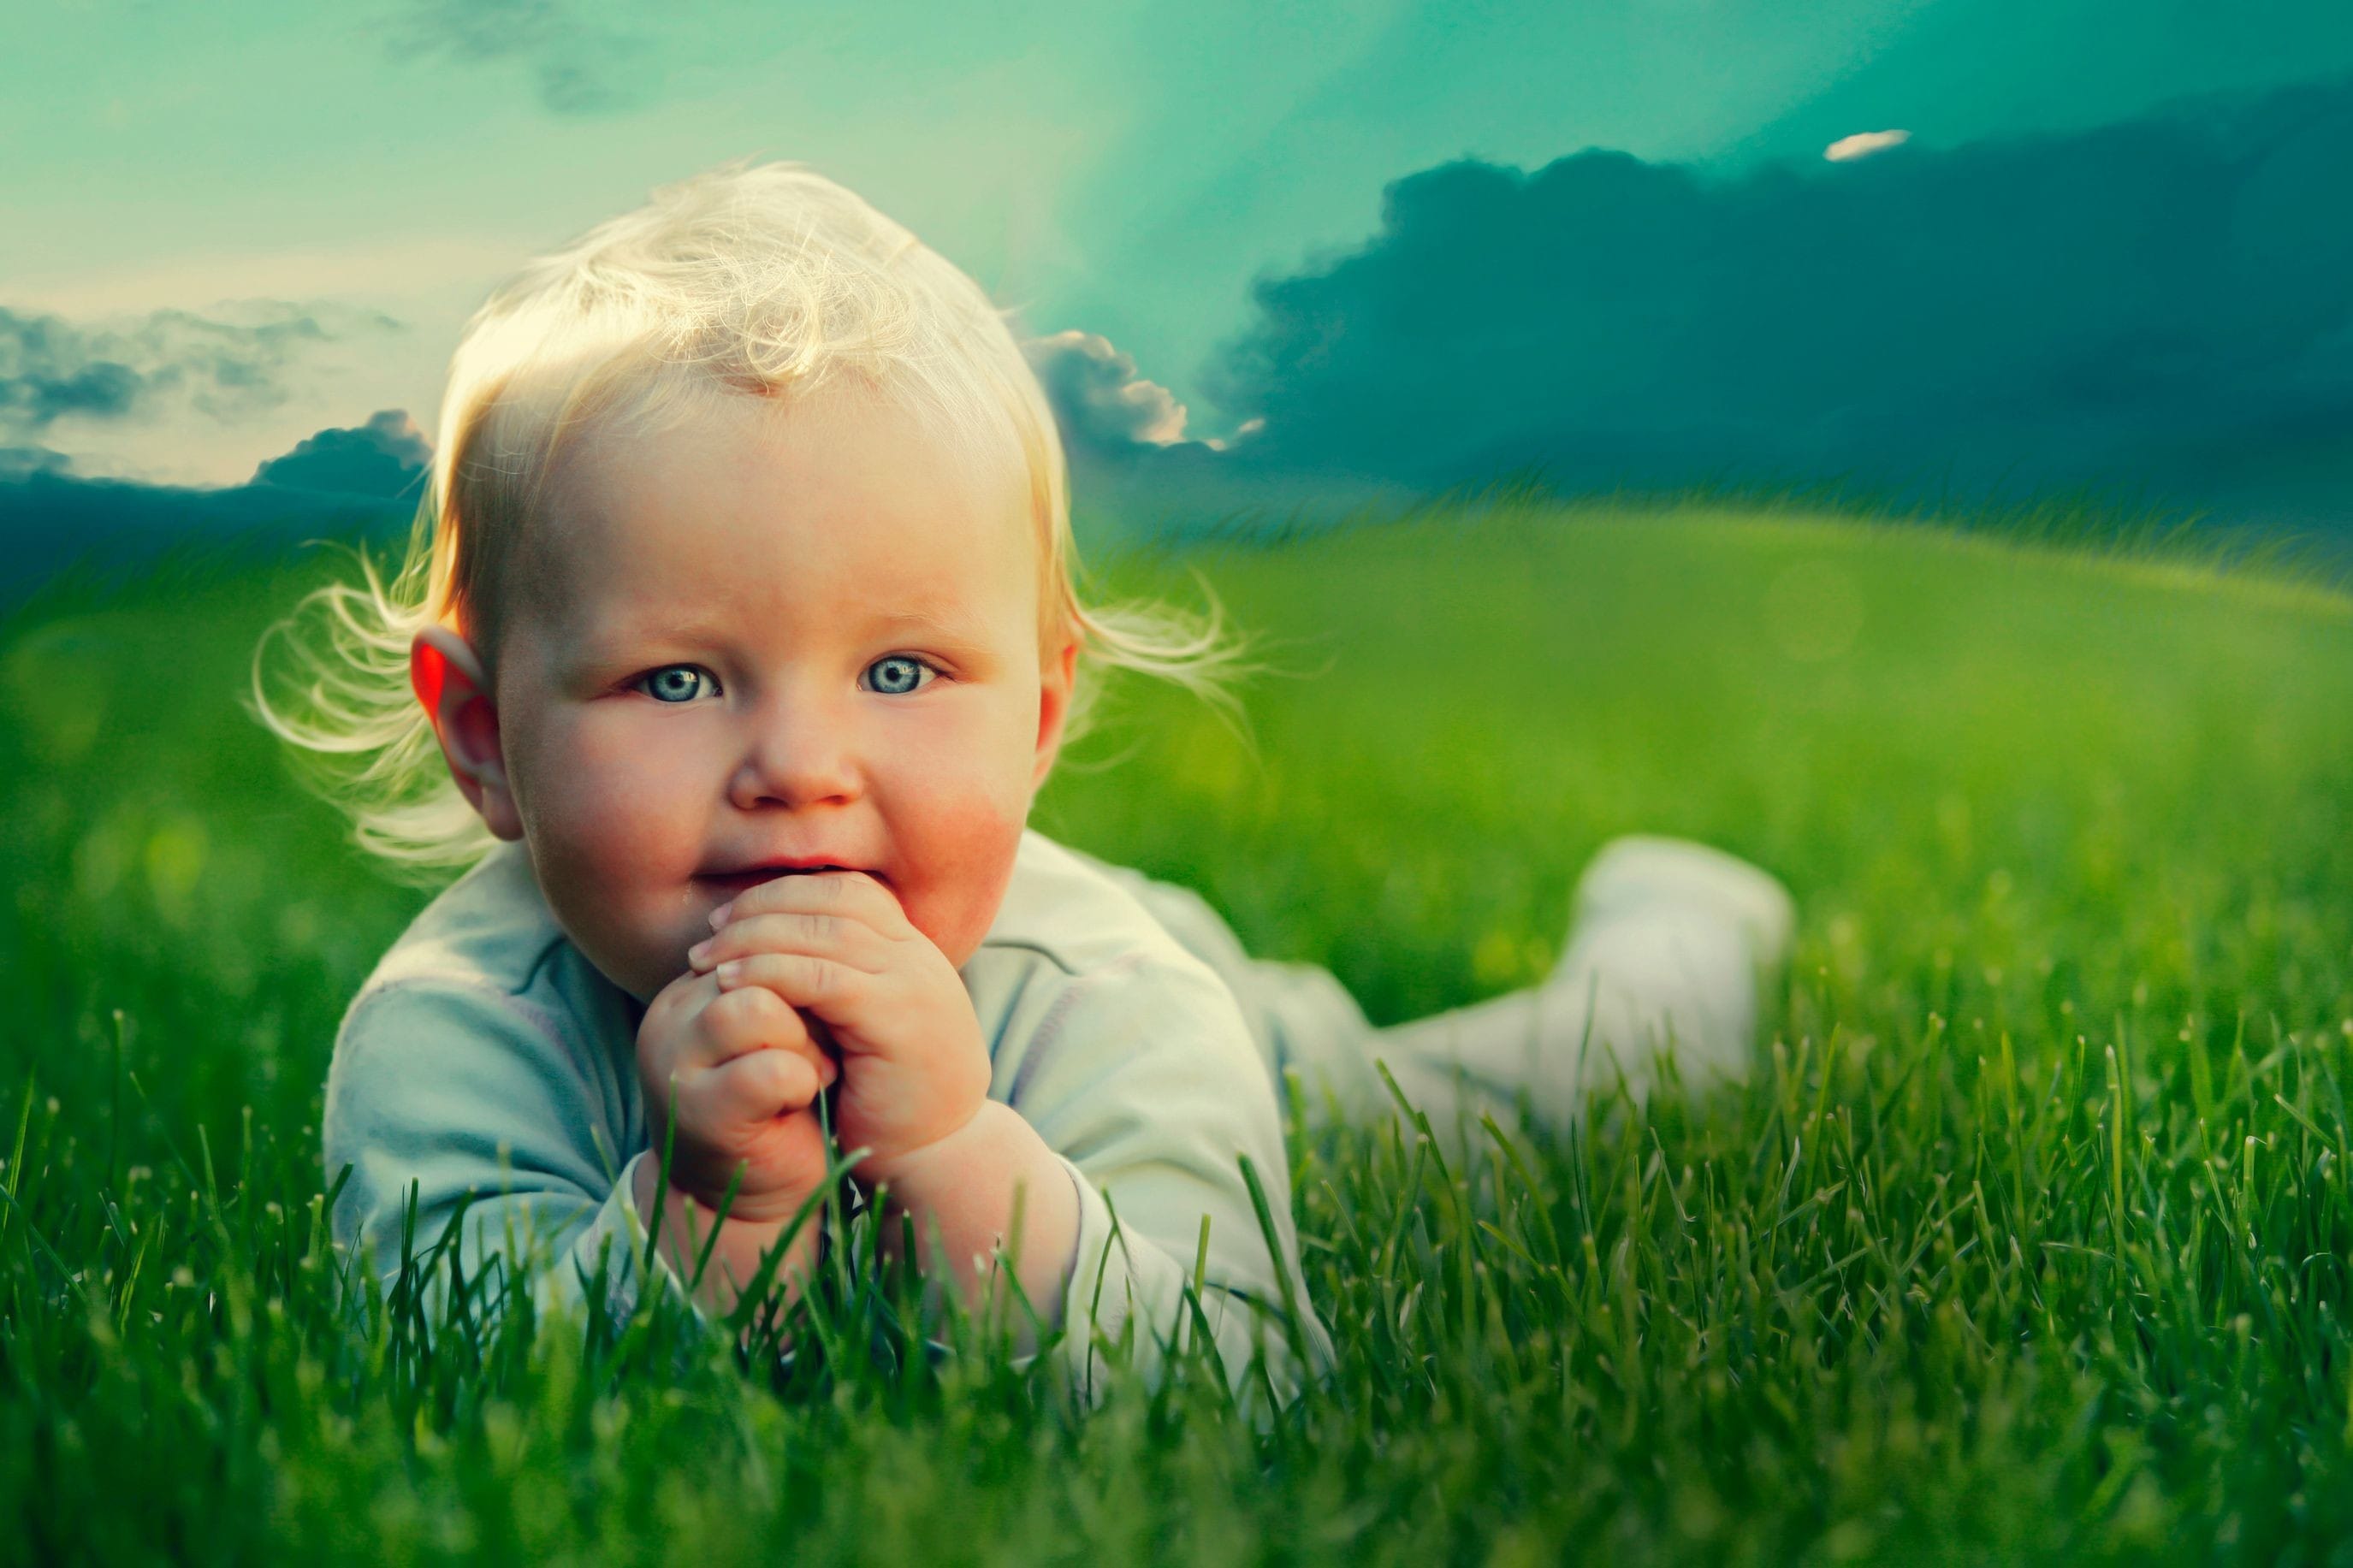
x=18 y=462
x=52 y=520
x=48 y=369
x=1138 y=475
x=2157 y=297
x=383 y=457
x=1134 y=471
x=52 y=369
x=580 y=66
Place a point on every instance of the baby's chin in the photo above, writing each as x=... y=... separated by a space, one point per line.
x=636 y=940
x=642 y=967
x=646 y=983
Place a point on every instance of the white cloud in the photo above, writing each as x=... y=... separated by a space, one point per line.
x=431 y=283
x=1864 y=144
x=1103 y=400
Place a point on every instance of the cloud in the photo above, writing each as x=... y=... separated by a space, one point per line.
x=52 y=369
x=2158 y=296
x=1104 y=406
x=580 y=66
x=342 y=482
x=1864 y=144
x=383 y=457
x=22 y=462
x=53 y=519
x=47 y=371
x=1135 y=472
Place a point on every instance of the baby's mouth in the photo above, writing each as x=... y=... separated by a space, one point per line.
x=727 y=884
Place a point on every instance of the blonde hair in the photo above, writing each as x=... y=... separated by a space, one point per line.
x=748 y=279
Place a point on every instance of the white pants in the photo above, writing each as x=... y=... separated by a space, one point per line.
x=1666 y=951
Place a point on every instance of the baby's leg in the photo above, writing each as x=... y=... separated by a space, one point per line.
x=1666 y=951
x=1664 y=954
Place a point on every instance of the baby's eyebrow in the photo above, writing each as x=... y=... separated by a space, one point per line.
x=952 y=621
x=634 y=639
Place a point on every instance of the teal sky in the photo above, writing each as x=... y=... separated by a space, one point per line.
x=1123 y=168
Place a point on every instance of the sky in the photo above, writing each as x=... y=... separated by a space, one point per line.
x=235 y=228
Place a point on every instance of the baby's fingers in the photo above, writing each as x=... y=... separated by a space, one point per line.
x=820 y=933
x=804 y=980
x=758 y=1085
x=736 y=1024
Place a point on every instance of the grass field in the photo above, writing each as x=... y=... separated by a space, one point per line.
x=2030 y=1241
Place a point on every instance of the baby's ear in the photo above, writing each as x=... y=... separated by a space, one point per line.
x=1055 y=678
x=450 y=683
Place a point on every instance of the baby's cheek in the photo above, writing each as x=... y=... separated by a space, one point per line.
x=615 y=852
x=603 y=828
x=972 y=864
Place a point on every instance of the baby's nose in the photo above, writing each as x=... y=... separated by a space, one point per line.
x=795 y=757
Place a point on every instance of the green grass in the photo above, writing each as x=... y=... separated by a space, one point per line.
x=2030 y=1240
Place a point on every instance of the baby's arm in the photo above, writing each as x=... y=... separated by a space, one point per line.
x=443 y=1088
x=1145 y=1078
x=993 y=1181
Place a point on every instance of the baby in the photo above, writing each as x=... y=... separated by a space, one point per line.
x=736 y=638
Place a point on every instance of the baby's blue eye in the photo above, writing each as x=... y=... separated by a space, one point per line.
x=897 y=675
x=677 y=683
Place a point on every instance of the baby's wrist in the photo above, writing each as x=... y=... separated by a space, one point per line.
x=989 y=1195
x=772 y=1211
x=945 y=1151
x=728 y=1254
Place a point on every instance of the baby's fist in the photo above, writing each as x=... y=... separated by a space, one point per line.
x=741 y=1073
x=838 y=948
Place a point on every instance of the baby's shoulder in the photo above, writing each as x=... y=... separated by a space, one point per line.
x=1074 y=952
x=490 y=929
x=493 y=937
x=1068 y=911
x=481 y=1035
x=1097 y=1018
x=483 y=976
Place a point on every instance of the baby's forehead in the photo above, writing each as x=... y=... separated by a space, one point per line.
x=703 y=410
x=818 y=440
x=746 y=513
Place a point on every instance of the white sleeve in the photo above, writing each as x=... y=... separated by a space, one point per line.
x=443 y=1089
x=1143 y=1078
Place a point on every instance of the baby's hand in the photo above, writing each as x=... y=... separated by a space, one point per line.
x=742 y=1074
x=837 y=945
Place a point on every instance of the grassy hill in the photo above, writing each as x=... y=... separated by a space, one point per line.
x=2031 y=1238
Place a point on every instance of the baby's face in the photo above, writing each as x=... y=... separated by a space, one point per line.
x=804 y=633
